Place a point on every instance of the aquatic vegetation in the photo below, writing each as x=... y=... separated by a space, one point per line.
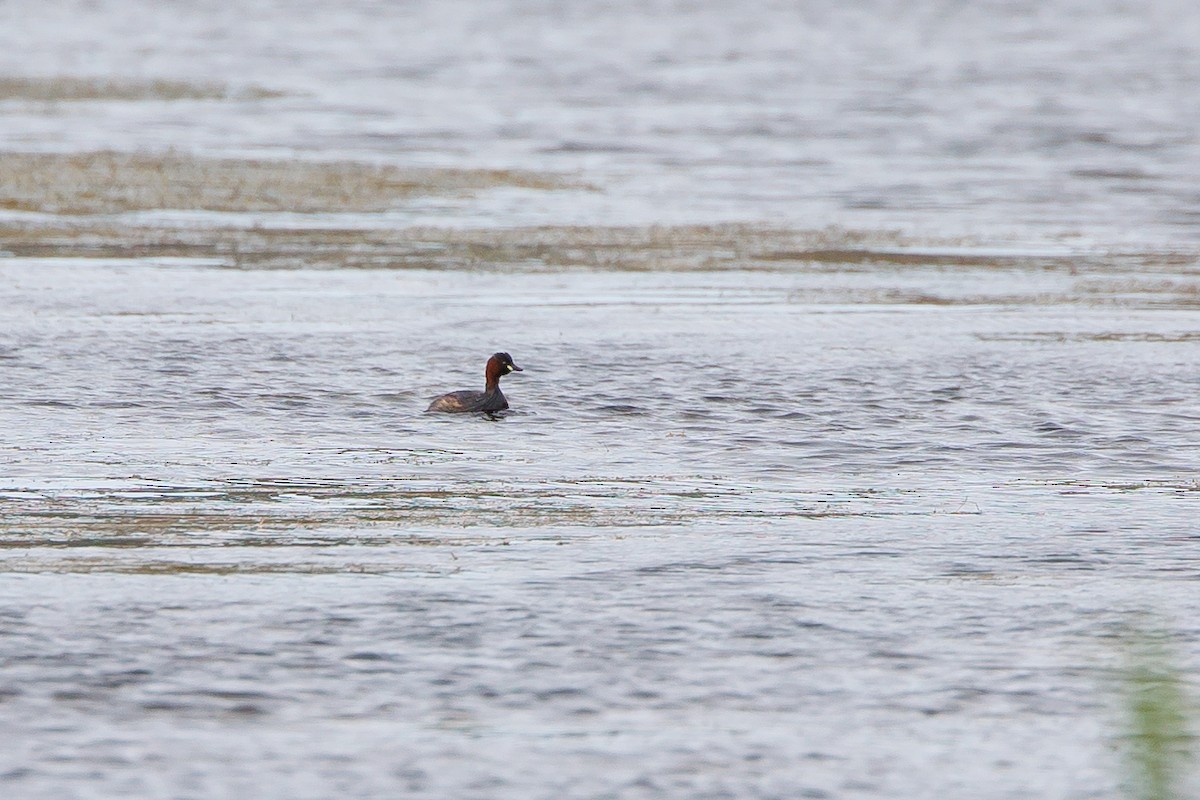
x=1158 y=742
x=111 y=183
x=291 y=245
x=285 y=515
x=64 y=88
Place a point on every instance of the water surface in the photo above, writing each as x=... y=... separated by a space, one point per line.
x=858 y=419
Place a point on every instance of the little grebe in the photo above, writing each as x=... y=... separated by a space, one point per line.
x=490 y=399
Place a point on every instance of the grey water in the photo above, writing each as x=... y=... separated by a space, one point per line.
x=1070 y=119
x=862 y=525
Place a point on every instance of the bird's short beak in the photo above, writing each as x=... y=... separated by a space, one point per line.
x=515 y=368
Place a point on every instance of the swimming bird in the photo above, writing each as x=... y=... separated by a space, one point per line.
x=491 y=399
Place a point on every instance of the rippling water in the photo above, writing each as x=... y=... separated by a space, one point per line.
x=860 y=518
x=1074 y=118
x=731 y=540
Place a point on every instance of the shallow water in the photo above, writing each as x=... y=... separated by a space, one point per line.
x=780 y=510
x=1073 y=118
x=733 y=540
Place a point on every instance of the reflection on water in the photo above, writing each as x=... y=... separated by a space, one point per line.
x=859 y=408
